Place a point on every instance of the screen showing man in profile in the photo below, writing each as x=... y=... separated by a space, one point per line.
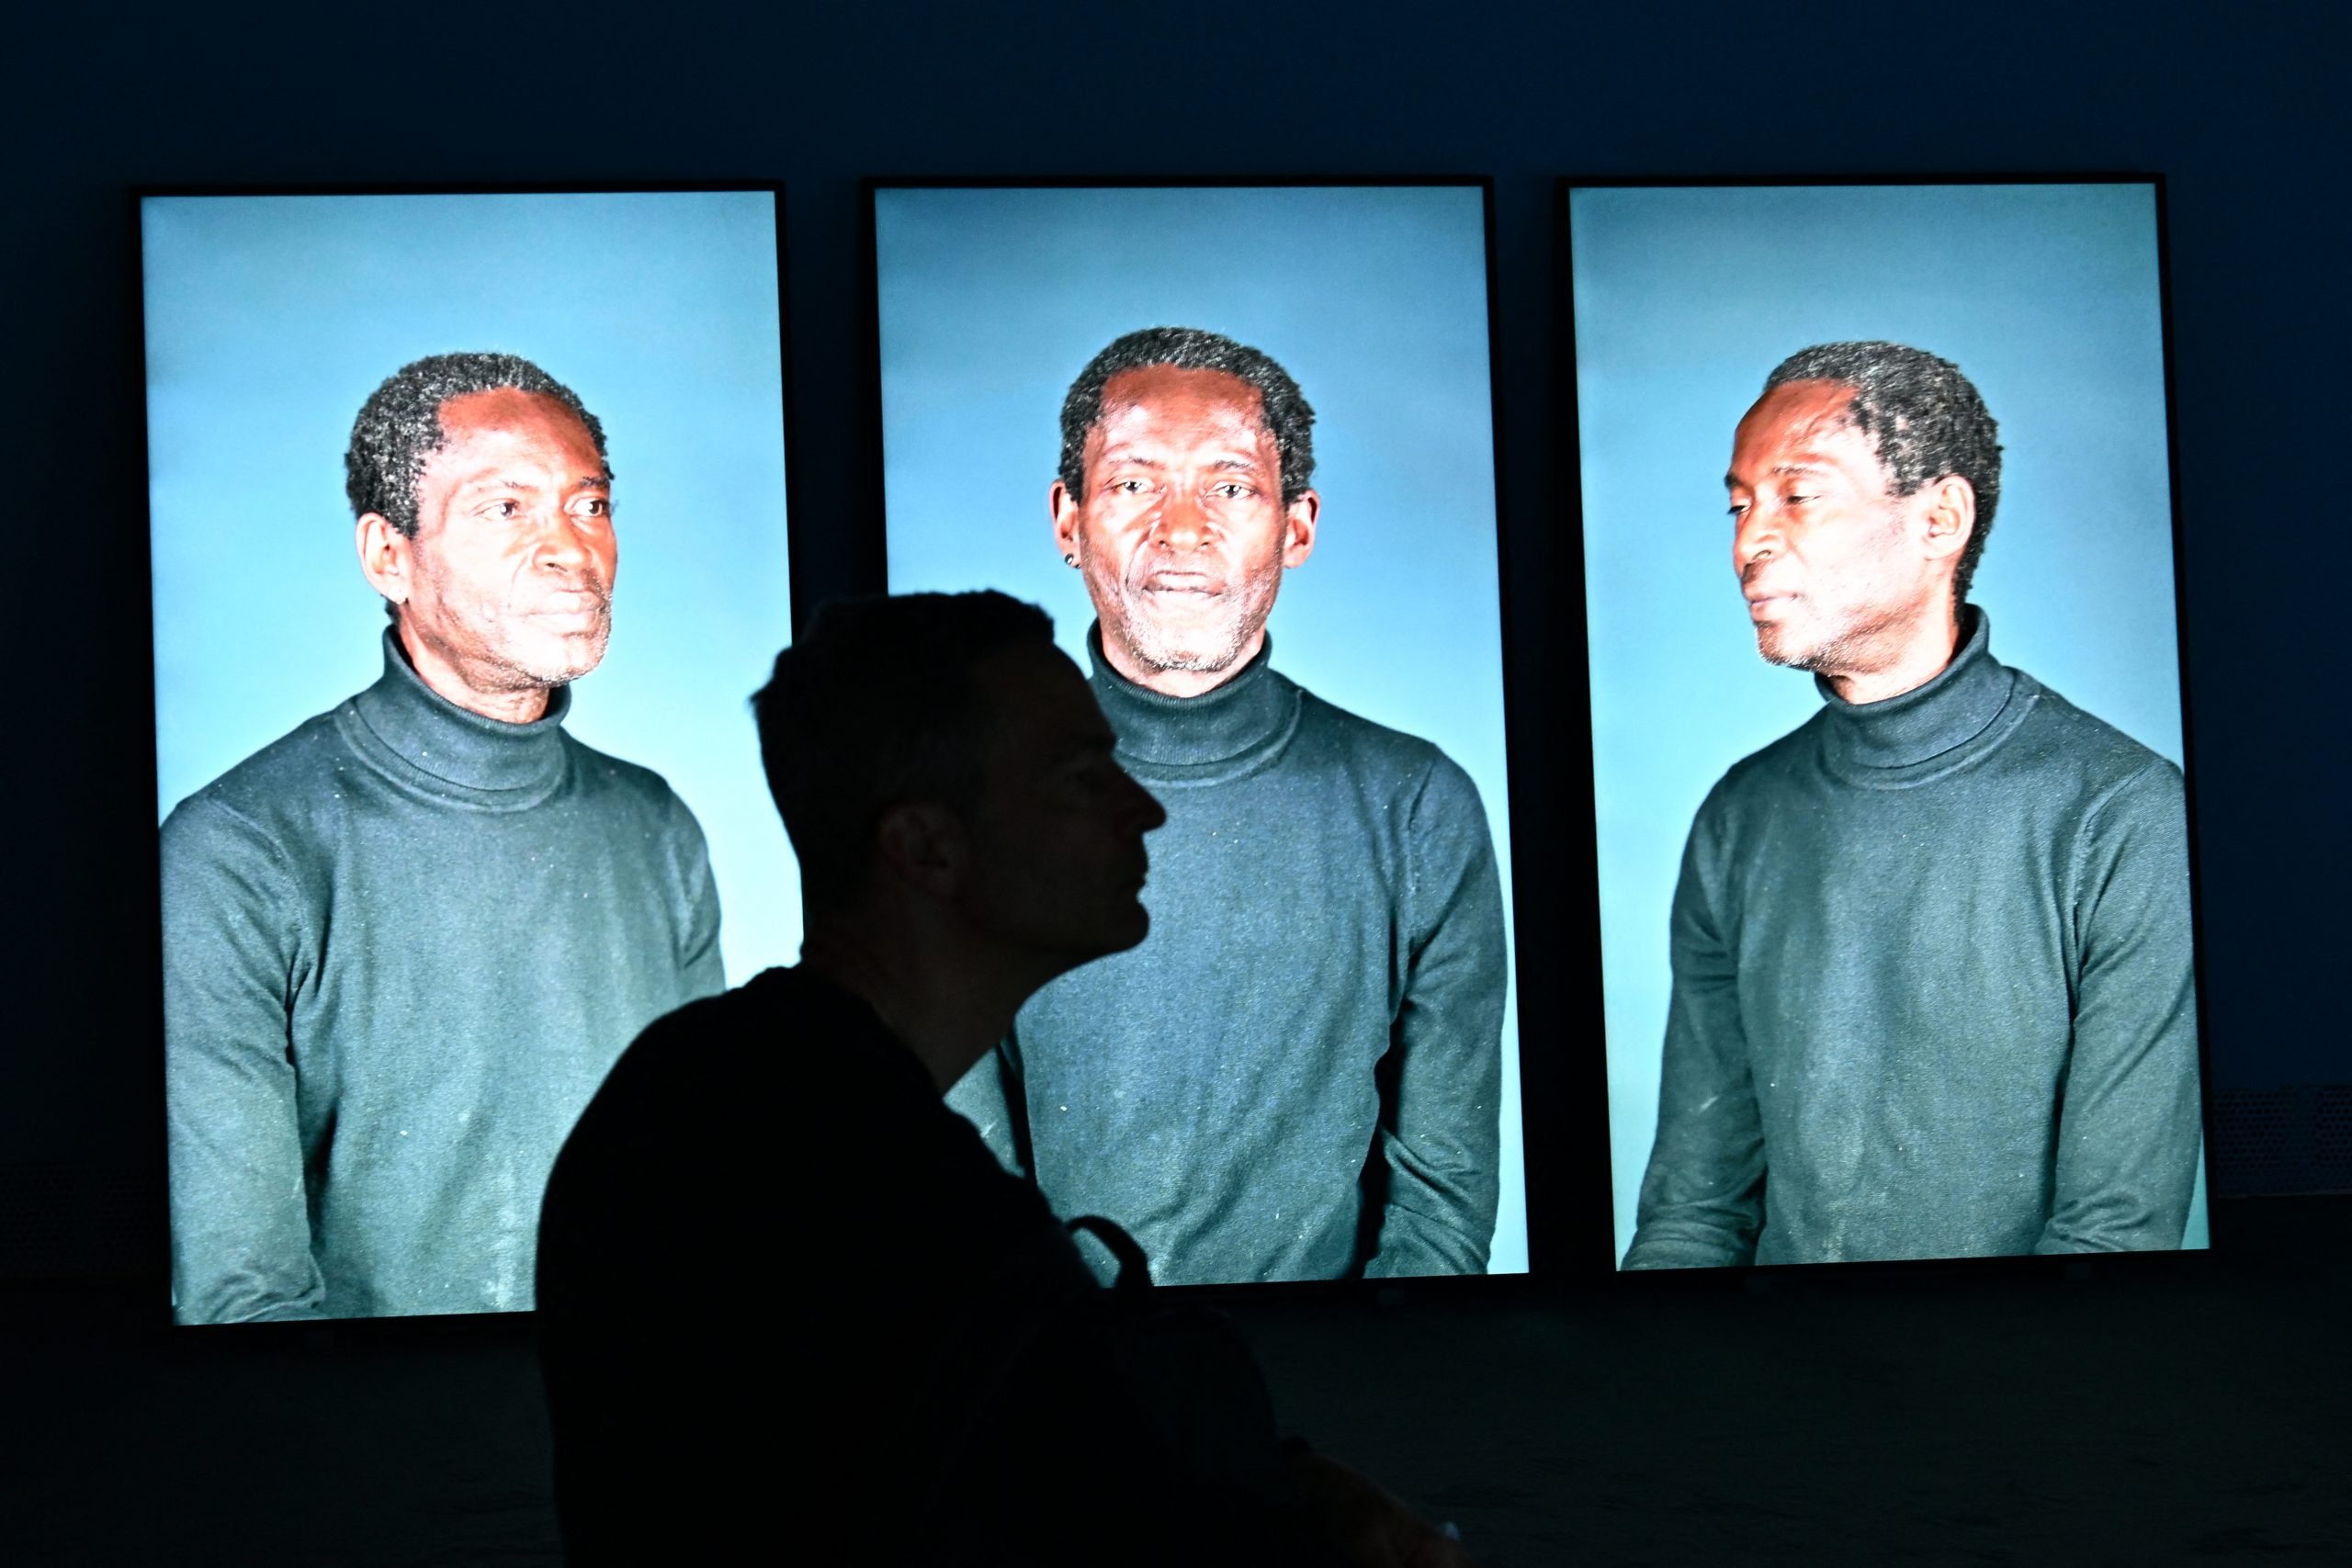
x=1898 y=949
x=1254 y=481
x=449 y=813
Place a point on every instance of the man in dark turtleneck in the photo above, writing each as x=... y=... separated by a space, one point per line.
x=1298 y=1077
x=1933 y=993
x=403 y=944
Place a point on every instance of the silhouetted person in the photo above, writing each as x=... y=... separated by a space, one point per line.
x=789 y=1298
x=403 y=944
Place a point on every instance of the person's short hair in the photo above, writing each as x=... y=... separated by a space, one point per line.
x=399 y=426
x=1287 y=416
x=1927 y=419
x=875 y=706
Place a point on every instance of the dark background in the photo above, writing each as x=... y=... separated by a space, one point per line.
x=2229 y=104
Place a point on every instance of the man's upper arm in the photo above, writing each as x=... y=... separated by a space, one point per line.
x=232 y=924
x=702 y=966
x=1701 y=1202
x=2128 y=1124
x=1442 y=1140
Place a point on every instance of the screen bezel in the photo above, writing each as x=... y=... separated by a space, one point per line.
x=1545 y=1253
x=1590 y=1102
x=801 y=559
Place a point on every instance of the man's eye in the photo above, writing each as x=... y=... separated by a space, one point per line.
x=505 y=506
x=1129 y=486
x=1796 y=500
x=596 y=506
x=1232 y=490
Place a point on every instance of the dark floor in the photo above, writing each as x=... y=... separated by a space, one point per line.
x=2197 y=1418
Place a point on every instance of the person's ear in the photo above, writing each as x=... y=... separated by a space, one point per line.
x=1947 y=512
x=1064 y=508
x=387 y=557
x=1299 y=527
x=924 y=846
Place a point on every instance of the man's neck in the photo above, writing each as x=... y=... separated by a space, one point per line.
x=527 y=705
x=1918 y=659
x=948 y=1007
x=1178 y=683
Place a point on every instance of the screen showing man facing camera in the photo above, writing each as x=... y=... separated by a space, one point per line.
x=1256 y=482
x=451 y=803
x=1899 y=958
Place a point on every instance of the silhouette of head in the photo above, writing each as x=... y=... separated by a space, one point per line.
x=941 y=747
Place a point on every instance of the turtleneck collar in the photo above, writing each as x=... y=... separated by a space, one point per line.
x=1234 y=728
x=423 y=736
x=1931 y=729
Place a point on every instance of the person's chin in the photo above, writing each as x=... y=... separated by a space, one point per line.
x=1128 y=929
x=557 y=655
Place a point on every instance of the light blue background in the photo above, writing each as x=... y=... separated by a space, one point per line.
x=1375 y=299
x=2047 y=297
x=269 y=322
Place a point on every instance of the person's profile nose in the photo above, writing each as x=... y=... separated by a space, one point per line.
x=561 y=545
x=1153 y=815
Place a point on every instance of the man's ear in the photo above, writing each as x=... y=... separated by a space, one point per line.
x=924 y=847
x=1064 y=508
x=1299 y=527
x=385 y=556
x=1946 y=508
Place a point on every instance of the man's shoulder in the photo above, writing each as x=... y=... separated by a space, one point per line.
x=1764 y=769
x=2057 y=734
x=271 y=790
x=1368 y=747
x=775 y=1015
x=621 y=783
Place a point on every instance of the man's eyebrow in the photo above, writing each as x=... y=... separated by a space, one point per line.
x=1732 y=481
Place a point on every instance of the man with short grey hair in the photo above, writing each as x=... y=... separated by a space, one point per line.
x=1933 y=991
x=403 y=944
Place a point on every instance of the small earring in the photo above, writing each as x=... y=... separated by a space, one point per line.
x=1069 y=560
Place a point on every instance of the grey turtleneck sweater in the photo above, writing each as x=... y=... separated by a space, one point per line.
x=401 y=947
x=1295 y=1076
x=1933 y=995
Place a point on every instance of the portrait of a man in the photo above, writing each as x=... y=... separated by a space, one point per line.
x=403 y=944
x=1300 y=1074
x=450 y=803
x=1934 y=994
x=1898 y=959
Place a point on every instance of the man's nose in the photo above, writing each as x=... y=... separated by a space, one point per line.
x=1182 y=523
x=1153 y=815
x=559 y=544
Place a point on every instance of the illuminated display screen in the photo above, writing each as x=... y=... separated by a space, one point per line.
x=1239 y=442
x=468 y=542
x=1894 y=881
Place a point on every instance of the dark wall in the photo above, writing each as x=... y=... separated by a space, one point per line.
x=2230 y=107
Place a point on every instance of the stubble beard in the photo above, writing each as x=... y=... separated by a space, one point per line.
x=1207 y=649
x=1854 y=648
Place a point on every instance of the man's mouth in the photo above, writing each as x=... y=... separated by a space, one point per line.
x=1182 y=585
x=582 y=606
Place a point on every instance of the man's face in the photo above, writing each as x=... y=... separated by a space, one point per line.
x=1057 y=834
x=1182 y=532
x=1828 y=560
x=509 y=576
